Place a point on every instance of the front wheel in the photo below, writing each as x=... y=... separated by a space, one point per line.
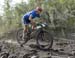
x=44 y=40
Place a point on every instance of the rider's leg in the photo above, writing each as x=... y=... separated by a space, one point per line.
x=25 y=30
x=33 y=28
x=26 y=23
x=33 y=25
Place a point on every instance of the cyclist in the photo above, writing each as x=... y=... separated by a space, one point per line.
x=28 y=19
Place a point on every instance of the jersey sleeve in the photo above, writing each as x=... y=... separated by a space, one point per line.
x=34 y=14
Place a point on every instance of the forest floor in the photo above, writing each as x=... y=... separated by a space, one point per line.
x=62 y=48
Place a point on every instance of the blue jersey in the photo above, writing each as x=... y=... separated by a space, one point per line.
x=32 y=13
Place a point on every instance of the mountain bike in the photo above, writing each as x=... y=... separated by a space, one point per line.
x=44 y=39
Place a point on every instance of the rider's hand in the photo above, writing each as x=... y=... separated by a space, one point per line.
x=33 y=24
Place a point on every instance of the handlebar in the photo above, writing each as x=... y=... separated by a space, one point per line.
x=41 y=25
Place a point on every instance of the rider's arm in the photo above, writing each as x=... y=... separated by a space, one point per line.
x=32 y=22
x=30 y=18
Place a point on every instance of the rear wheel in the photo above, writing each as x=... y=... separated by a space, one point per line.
x=21 y=40
x=19 y=36
x=44 y=40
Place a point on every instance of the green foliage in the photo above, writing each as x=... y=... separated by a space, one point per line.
x=61 y=12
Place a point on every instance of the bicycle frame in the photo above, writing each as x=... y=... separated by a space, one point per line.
x=38 y=29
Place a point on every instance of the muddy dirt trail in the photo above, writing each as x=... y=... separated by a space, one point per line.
x=62 y=48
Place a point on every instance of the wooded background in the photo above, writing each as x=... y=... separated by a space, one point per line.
x=61 y=12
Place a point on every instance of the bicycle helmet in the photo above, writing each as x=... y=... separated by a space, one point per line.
x=39 y=9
